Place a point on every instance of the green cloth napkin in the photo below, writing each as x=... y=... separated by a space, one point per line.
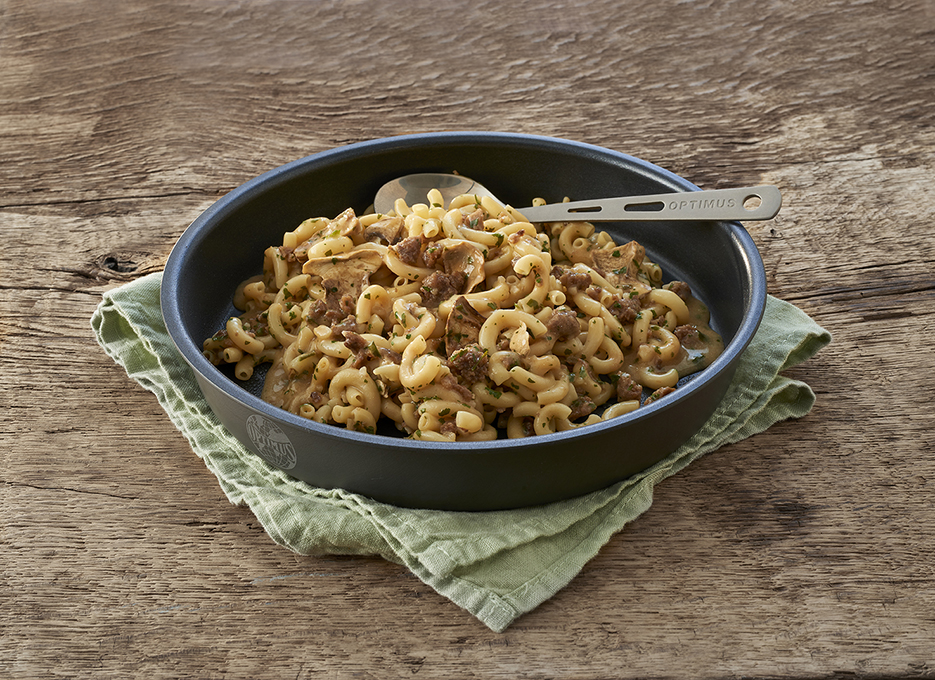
x=497 y=565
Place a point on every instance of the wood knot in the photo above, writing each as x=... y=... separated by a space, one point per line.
x=115 y=266
x=115 y=263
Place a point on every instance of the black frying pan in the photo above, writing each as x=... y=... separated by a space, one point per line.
x=225 y=244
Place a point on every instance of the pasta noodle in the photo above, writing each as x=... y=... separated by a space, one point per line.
x=461 y=323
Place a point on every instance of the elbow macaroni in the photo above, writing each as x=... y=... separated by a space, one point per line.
x=461 y=323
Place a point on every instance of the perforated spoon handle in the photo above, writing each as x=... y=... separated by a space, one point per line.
x=745 y=203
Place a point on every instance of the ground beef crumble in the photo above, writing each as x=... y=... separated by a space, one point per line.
x=563 y=324
x=469 y=364
x=439 y=286
x=409 y=251
x=627 y=388
x=572 y=279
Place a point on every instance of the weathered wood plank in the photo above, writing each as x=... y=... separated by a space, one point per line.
x=178 y=98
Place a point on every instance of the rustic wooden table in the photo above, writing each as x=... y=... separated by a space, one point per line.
x=806 y=551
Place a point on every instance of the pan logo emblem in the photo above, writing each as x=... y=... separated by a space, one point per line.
x=271 y=442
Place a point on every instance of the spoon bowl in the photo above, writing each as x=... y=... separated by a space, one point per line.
x=413 y=189
x=744 y=203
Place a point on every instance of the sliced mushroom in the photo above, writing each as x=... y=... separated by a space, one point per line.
x=347 y=274
x=345 y=224
x=388 y=231
x=463 y=326
x=619 y=265
x=464 y=257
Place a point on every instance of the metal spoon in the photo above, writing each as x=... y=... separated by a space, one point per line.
x=745 y=203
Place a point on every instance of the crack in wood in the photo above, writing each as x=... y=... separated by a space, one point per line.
x=120 y=268
x=114 y=199
x=857 y=292
x=24 y=485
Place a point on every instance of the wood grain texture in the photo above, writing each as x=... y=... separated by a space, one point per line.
x=804 y=552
